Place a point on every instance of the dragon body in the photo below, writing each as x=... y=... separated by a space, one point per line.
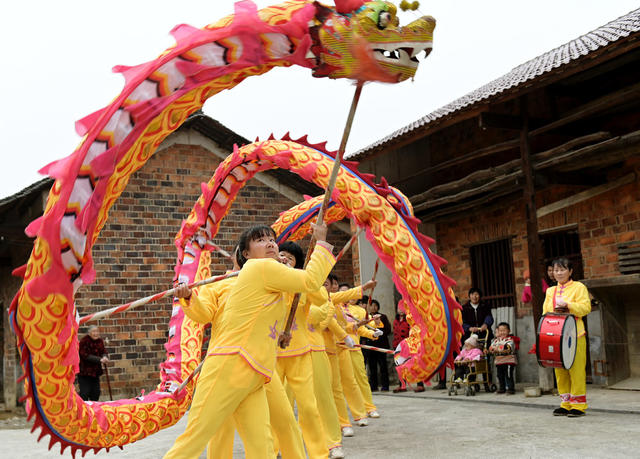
x=356 y=40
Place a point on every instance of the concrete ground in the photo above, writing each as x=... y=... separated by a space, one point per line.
x=433 y=424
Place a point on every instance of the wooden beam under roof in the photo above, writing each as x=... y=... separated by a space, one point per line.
x=481 y=176
x=505 y=176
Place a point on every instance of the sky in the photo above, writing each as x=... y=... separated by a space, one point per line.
x=57 y=60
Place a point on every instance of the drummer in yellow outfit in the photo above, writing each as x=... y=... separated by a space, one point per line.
x=355 y=316
x=570 y=297
x=205 y=306
x=294 y=363
x=243 y=356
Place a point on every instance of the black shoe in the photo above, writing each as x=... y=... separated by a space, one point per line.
x=575 y=413
x=500 y=391
x=561 y=412
x=441 y=386
x=511 y=391
x=384 y=389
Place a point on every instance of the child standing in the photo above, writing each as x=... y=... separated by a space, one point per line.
x=504 y=348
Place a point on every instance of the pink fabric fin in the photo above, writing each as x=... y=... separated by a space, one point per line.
x=128 y=72
x=85 y=124
x=183 y=31
x=19 y=272
x=33 y=228
x=57 y=168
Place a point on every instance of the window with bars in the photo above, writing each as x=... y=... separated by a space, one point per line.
x=492 y=272
x=564 y=244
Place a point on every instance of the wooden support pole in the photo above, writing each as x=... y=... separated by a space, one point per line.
x=533 y=239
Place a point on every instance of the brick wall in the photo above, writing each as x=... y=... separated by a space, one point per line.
x=602 y=222
x=135 y=256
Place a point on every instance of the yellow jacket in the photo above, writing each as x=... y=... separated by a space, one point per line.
x=258 y=306
x=577 y=298
x=320 y=315
x=300 y=343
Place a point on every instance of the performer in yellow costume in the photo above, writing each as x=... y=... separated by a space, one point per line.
x=205 y=306
x=570 y=297
x=331 y=333
x=243 y=356
x=350 y=387
x=294 y=364
x=318 y=320
x=354 y=315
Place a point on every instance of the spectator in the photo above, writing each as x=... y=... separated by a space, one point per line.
x=476 y=316
x=378 y=360
x=401 y=331
x=504 y=348
x=469 y=354
x=92 y=355
x=526 y=292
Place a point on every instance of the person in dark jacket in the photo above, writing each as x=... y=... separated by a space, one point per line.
x=378 y=360
x=476 y=316
x=92 y=355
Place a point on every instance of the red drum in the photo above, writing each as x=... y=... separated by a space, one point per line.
x=557 y=340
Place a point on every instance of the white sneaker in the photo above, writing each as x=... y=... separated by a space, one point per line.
x=363 y=422
x=337 y=453
x=347 y=431
x=373 y=414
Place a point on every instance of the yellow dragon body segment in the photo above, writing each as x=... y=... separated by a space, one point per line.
x=356 y=40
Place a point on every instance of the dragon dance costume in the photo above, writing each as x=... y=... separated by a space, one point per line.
x=243 y=354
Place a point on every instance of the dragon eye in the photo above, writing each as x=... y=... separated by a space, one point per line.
x=384 y=19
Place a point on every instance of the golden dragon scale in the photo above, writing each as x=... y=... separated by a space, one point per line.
x=355 y=40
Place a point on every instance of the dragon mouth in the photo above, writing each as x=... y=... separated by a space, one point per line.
x=405 y=54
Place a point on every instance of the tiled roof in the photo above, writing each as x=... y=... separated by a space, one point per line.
x=547 y=62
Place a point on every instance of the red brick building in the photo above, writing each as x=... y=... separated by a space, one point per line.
x=135 y=254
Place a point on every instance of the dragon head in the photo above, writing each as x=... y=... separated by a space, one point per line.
x=363 y=41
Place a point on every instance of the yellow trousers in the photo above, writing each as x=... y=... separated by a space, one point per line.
x=324 y=397
x=299 y=373
x=572 y=383
x=283 y=424
x=227 y=387
x=360 y=372
x=350 y=386
x=338 y=394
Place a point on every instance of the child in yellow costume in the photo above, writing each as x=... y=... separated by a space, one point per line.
x=243 y=356
x=294 y=364
x=354 y=315
x=206 y=306
x=573 y=298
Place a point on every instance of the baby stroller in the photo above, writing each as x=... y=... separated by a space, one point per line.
x=470 y=384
